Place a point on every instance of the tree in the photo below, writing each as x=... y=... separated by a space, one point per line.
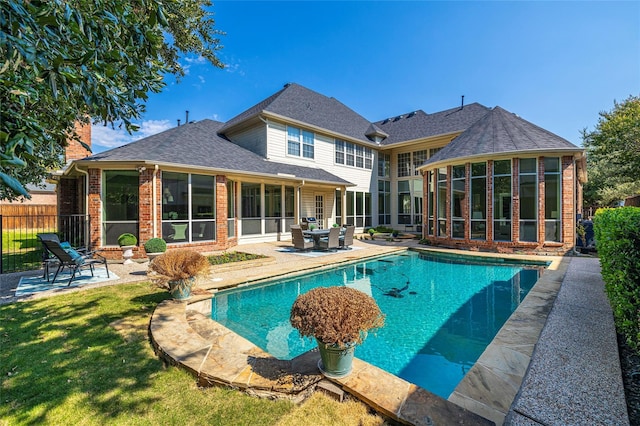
x=63 y=62
x=613 y=154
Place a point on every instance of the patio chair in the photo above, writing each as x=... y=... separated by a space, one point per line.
x=47 y=257
x=332 y=242
x=298 y=239
x=346 y=240
x=72 y=259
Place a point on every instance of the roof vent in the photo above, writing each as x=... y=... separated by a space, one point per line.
x=385 y=121
x=411 y=114
x=397 y=118
x=287 y=85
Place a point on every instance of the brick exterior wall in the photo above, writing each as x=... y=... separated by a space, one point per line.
x=145 y=206
x=74 y=150
x=571 y=190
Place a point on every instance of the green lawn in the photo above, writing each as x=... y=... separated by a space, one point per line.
x=85 y=358
x=21 y=250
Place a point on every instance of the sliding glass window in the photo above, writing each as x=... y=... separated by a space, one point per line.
x=502 y=200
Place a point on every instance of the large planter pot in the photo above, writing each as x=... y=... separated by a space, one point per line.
x=127 y=254
x=152 y=256
x=181 y=289
x=335 y=362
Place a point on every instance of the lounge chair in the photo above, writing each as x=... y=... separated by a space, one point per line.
x=332 y=242
x=72 y=259
x=47 y=257
x=346 y=240
x=298 y=239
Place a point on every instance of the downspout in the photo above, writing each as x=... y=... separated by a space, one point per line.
x=153 y=200
x=86 y=201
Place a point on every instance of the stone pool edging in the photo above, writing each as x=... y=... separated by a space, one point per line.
x=183 y=334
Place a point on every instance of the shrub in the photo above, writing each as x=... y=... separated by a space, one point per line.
x=127 y=239
x=617 y=234
x=384 y=229
x=233 y=256
x=155 y=245
x=336 y=315
x=178 y=264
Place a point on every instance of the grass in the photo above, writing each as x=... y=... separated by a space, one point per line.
x=85 y=358
x=21 y=249
x=233 y=256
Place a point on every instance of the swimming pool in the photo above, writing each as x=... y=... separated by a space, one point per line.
x=441 y=312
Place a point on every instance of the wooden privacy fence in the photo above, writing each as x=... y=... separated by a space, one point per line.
x=29 y=216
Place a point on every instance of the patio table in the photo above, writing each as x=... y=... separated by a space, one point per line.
x=316 y=234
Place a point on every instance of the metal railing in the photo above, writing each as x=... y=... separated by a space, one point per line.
x=20 y=249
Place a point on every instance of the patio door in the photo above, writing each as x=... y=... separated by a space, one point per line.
x=320 y=211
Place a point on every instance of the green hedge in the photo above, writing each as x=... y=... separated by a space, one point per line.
x=617 y=233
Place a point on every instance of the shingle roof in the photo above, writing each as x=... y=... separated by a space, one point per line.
x=418 y=124
x=199 y=145
x=501 y=131
x=301 y=104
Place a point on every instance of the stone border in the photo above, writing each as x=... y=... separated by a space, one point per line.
x=185 y=335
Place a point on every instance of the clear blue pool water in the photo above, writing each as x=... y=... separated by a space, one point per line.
x=441 y=312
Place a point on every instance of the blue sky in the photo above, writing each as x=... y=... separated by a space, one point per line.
x=556 y=64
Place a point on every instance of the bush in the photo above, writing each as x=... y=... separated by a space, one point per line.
x=336 y=315
x=127 y=239
x=178 y=264
x=617 y=234
x=233 y=256
x=155 y=245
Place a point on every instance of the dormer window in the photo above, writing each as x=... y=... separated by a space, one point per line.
x=300 y=142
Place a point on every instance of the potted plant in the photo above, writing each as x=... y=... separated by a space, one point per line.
x=127 y=242
x=339 y=318
x=154 y=247
x=371 y=232
x=177 y=271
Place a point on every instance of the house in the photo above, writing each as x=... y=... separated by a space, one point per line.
x=471 y=176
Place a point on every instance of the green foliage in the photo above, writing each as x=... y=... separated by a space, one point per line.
x=155 y=245
x=127 y=239
x=613 y=154
x=85 y=358
x=384 y=229
x=233 y=256
x=68 y=62
x=617 y=234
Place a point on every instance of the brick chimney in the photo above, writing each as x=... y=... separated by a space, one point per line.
x=75 y=151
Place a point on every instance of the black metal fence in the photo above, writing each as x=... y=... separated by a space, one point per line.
x=20 y=249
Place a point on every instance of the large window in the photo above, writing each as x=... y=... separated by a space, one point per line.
x=502 y=200
x=354 y=155
x=339 y=207
x=458 y=178
x=404 y=202
x=120 y=205
x=300 y=141
x=272 y=208
x=404 y=164
x=231 y=208
x=478 y=201
x=358 y=208
x=384 y=165
x=188 y=207
x=552 y=199
x=384 y=202
x=251 y=208
x=442 y=202
x=419 y=157
x=528 y=179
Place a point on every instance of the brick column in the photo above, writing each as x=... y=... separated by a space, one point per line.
x=221 y=211
x=568 y=201
x=490 y=201
x=541 y=202
x=95 y=207
x=515 y=200
x=145 y=206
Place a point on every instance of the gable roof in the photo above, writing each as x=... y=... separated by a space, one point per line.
x=420 y=125
x=198 y=145
x=501 y=132
x=303 y=105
